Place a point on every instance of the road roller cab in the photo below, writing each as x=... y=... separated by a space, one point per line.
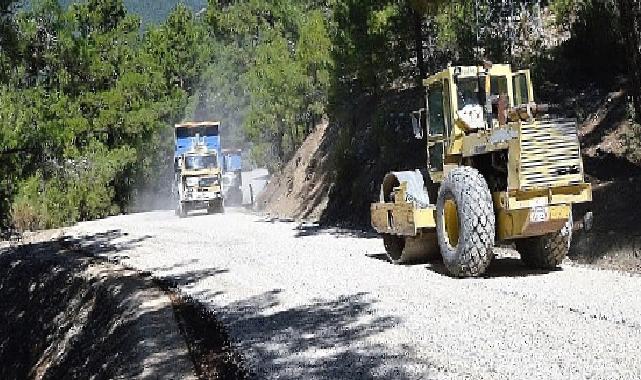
x=499 y=168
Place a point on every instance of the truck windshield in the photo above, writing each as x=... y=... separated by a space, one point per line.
x=200 y=162
x=470 y=102
x=468 y=92
x=520 y=85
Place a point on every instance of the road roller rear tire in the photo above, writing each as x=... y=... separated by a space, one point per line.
x=547 y=251
x=465 y=222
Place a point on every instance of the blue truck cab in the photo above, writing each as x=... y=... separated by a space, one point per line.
x=232 y=159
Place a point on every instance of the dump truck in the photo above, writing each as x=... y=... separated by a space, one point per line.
x=198 y=169
x=233 y=177
x=500 y=169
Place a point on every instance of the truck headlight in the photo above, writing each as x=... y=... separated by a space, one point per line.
x=191 y=181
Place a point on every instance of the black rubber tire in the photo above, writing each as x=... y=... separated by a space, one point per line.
x=474 y=251
x=547 y=251
x=181 y=211
x=217 y=208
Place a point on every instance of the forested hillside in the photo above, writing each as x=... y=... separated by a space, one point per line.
x=153 y=11
x=86 y=105
x=88 y=96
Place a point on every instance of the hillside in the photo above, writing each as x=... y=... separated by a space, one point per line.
x=154 y=11
x=336 y=174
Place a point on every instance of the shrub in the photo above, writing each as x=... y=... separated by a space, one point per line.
x=81 y=188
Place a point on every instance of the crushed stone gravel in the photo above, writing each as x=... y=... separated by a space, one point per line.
x=302 y=302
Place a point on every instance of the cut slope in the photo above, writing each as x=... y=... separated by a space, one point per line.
x=300 y=190
x=337 y=172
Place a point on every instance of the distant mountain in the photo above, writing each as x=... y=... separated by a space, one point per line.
x=153 y=11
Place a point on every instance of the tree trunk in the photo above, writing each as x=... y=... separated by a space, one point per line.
x=628 y=19
x=418 y=41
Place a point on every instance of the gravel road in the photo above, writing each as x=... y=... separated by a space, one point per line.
x=306 y=303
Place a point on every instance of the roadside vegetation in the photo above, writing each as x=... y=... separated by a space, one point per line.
x=89 y=93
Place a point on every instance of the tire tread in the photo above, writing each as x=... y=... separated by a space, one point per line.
x=474 y=252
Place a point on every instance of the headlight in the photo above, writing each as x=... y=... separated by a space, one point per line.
x=192 y=181
x=209 y=181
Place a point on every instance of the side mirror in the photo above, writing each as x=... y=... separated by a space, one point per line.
x=417 y=124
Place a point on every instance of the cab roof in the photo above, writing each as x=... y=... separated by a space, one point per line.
x=195 y=124
x=469 y=71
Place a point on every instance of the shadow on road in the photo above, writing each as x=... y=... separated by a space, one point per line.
x=500 y=267
x=190 y=277
x=67 y=314
x=326 y=339
x=313 y=230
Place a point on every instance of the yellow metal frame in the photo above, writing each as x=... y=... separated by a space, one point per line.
x=519 y=199
x=513 y=209
x=457 y=143
x=514 y=224
x=401 y=218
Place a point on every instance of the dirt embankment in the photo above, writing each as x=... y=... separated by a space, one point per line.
x=68 y=314
x=615 y=174
x=337 y=172
x=301 y=189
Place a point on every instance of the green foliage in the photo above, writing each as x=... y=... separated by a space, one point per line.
x=152 y=11
x=632 y=143
x=269 y=74
x=85 y=114
x=79 y=189
x=456 y=31
x=564 y=9
x=374 y=42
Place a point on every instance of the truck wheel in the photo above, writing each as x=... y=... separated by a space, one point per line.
x=465 y=222
x=217 y=208
x=406 y=250
x=181 y=211
x=547 y=251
